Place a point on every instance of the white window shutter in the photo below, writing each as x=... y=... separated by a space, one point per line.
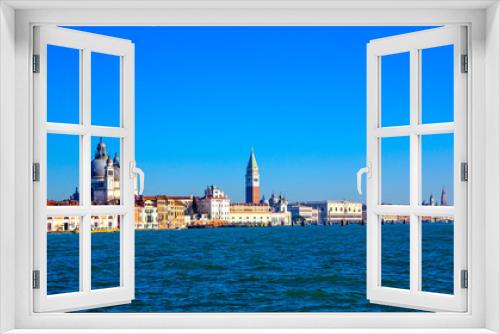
x=414 y=297
x=86 y=297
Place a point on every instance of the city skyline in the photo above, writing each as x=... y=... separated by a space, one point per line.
x=224 y=90
x=104 y=161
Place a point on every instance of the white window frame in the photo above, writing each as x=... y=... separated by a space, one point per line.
x=413 y=44
x=16 y=21
x=85 y=43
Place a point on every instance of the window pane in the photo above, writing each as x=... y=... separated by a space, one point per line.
x=63 y=84
x=437 y=84
x=437 y=254
x=437 y=169
x=105 y=251
x=395 y=251
x=395 y=170
x=105 y=89
x=395 y=89
x=63 y=166
x=105 y=171
x=63 y=254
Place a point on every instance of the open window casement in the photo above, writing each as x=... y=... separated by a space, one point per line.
x=85 y=211
x=415 y=132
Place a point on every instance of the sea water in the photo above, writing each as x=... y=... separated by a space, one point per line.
x=275 y=269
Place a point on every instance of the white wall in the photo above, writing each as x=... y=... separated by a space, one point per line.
x=7 y=167
x=176 y=16
x=492 y=187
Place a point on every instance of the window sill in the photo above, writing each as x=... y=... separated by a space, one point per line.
x=254 y=331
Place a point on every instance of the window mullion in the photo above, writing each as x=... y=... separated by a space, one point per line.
x=415 y=172
x=127 y=121
x=85 y=102
x=85 y=180
x=85 y=256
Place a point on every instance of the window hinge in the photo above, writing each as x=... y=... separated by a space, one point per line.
x=465 y=64
x=36 y=279
x=36 y=63
x=464 y=279
x=36 y=172
x=464 y=171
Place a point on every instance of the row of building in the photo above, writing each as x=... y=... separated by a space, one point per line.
x=103 y=223
x=327 y=212
x=213 y=209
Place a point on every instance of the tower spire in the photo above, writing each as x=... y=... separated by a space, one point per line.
x=444 y=199
x=252 y=162
x=252 y=180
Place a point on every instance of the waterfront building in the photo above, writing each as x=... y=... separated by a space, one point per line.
x=250 y=208
x=249 y=214
x=105 y=223
x=441 y=219
x=171 y=212
x=63 y=224
x=303 y=214
x=252 y=180
x=105 y=174
x=72 y=223
x=395 y=219
x=201 y=221
x=278 y=203
x=337 y=212
x=187 y=201
x=146 y=213
x=64 y=202
x=215 y=204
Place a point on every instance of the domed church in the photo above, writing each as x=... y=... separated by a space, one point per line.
x=105 y=175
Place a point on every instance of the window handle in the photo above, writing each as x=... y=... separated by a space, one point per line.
x=365 y=170
x=134 y=170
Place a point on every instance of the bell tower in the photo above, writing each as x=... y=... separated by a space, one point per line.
x=252 y=181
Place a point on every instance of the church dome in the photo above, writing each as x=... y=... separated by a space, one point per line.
x=98 y=165
x=100 y=151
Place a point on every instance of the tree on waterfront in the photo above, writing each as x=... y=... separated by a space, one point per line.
x=195 y=205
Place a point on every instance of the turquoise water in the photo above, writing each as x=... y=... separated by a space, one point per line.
x=280 y=269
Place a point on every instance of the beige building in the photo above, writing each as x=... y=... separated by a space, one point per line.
x=248 y=214
x=394 y=219
x=337 y=212
x=146 y=213
x=171 y=212
x=304 y=214
x=105 y=223
x=72 y=223
x=63 y=224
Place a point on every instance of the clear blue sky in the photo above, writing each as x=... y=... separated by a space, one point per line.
x=206 y=95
